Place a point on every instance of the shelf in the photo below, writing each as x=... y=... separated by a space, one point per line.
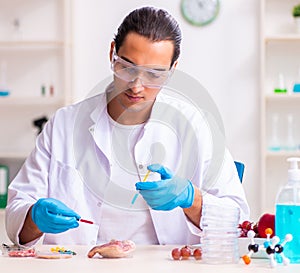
x=282 y=38
x=11 y=155
x=283 y=97
x=33 y=101
x=279 y=154
x=31 y=45
x=279 y=55
x=36 y=64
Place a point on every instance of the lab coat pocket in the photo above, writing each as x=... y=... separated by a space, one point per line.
x=63 y=179
x=64 y=183
x=67 y=186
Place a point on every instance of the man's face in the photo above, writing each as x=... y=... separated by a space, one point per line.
x=136 y=94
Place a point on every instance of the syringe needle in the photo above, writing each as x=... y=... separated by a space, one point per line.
x=144 y=180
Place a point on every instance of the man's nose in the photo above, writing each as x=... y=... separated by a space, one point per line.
x=136 y=85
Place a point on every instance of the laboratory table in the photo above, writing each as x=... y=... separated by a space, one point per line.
x=144 y=259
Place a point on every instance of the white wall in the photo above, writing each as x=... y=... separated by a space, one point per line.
x=223 y=56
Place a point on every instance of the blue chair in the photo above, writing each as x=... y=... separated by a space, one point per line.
x=240 y=169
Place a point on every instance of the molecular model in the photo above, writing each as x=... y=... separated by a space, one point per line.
x=271 y=246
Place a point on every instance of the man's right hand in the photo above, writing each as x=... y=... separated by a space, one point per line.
x=52 y=216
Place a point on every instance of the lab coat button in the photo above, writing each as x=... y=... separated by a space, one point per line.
x=93 y=242
x=99 y=204
x=141 y=166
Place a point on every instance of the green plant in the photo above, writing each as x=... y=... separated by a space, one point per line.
x=296 y=11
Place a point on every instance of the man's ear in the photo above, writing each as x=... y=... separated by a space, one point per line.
x=175 y=64
x=112 y=46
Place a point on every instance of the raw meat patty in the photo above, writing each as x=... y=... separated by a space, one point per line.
x=113 y=249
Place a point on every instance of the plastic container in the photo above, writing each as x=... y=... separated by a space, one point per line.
x=296 y=87
x=291 y=144
x=274 y=144
x=3 y=84
x=287 y=218
x=280 y=88
x=219 y=240
x=18 y=251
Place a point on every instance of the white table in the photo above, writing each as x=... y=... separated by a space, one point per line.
x=145 y=259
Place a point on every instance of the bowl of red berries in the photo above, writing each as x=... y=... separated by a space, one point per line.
x=253 y=235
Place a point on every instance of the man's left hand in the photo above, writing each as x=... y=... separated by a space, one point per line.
x=169 y=192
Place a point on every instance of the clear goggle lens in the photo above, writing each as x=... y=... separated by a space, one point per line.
x=149 y=77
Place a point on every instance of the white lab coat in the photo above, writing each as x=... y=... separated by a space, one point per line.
x=71 y=162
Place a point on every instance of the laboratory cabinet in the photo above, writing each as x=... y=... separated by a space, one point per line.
x=280 y=104
x=35 y=69
x=35 y=74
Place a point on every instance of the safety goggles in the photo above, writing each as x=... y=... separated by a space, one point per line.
x=153 y=77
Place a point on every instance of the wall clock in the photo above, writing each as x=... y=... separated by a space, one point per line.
x=200 y=12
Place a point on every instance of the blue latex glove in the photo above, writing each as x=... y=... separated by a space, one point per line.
x=167 y=193
x=52 y=216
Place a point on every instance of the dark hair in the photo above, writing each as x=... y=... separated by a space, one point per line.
x=152 y=23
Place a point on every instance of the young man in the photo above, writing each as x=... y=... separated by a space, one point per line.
x=90 y=156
